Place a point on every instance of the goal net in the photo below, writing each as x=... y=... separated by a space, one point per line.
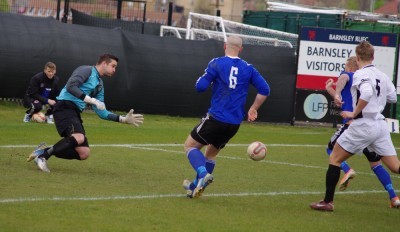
x=201 y=27
x=169 y=31
x=201 y=34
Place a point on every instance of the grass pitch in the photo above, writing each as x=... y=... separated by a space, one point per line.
x=132 y=181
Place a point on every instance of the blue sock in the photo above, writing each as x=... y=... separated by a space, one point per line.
x=193 y=185
x=328 y=151
x=385 y=179
x=344 y=166
x=198 y=162
x=210 y=165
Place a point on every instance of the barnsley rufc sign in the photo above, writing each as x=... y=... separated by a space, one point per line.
x=323 y=54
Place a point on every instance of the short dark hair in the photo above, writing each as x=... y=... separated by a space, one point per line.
x=50 y=65
x=107 y=58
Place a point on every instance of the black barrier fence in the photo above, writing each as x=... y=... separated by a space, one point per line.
x=135 y=26
x=155 y=75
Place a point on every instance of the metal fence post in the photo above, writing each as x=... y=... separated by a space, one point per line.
x=66 y=10
x=169 y=23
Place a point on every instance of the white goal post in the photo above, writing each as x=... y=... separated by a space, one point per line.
x=201 y=26
x=169 y=31
x=200 y=34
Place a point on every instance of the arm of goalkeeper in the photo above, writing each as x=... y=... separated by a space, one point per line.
x=131 y=118
x=100 y=105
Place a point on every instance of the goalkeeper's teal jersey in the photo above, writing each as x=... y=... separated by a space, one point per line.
x=230 y=78
x=85 y=80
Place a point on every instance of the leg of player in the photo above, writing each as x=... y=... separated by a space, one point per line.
x=332 y=177
x=383 y=176
x=349 y=173
x=66 y=148
x=29 y=113
x=40 y=162
x=386 y=181
x=344 y=182
x=392 y=162
x=211 y=153
x=190 y=186
x=27 y=117
x=198 y=162
x=49 y=115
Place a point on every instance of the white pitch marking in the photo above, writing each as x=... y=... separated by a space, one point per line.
x=167 y=145
x=146 y=147
x=159 y=196
x=174 y=145
x=262 y=161
x=149 y=147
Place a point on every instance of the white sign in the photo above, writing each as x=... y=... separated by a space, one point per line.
x=328 y=59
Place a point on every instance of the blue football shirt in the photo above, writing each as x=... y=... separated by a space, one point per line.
x=230 y=78
x=346 y=95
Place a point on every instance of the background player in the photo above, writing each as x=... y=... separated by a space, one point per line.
x=42 y=90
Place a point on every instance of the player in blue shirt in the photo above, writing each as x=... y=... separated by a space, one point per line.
x=85 y=86
x=344 y=83
x=230 y=78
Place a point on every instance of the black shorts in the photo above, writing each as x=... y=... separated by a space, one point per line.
x=211 y=131
x=337 y=134
x=67 y=118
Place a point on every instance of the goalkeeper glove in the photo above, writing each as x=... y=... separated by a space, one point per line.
x=131 y=118
x=100 y=105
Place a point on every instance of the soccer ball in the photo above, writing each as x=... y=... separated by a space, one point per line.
x=38 y=117
x=257 y=151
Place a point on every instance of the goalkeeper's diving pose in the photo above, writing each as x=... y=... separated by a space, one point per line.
x=85 y=86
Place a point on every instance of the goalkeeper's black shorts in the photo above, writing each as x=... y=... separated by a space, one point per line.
x=67 y=118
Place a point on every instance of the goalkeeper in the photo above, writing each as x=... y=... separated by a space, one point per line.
x=84 y=87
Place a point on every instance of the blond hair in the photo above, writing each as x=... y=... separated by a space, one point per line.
x=351 y=62
x=365 y=51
